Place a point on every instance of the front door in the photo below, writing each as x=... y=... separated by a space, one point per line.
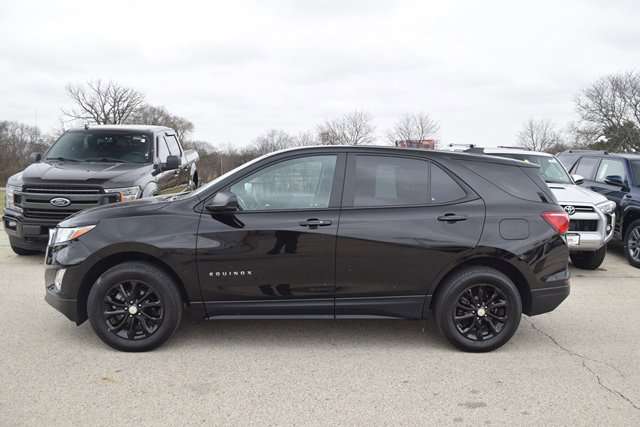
x=277 y=253
x=403 y=220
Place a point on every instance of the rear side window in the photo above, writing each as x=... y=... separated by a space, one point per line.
x=635 y=170
x=586 y=167
x=443 y=187
x=386 y=181
x=513 y=180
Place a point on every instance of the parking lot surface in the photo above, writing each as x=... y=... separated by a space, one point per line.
x=579 y=365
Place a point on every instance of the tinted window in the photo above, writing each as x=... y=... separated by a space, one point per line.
x=635 y=169
x=302 y=183
x=102 y=146
x=163 y=150
x=443 y=187
x=512 y=179
x=172 y=143
x=610 y=167
x=386 y=181
x=586 y=167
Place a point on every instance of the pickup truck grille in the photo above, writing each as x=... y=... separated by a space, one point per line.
x=35 y=201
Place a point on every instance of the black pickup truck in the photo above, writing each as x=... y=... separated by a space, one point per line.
x=89 y=167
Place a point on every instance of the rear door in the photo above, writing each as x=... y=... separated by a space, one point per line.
x=403 y=221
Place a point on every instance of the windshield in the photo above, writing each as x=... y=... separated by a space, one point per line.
x=550 y=168
x=102 y=146
x=635 y=169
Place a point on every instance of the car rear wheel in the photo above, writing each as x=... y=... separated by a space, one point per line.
x=134 y=306
x=478 y=309
x=589 y=260
x=632 y=243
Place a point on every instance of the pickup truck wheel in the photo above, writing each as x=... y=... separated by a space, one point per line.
x=478 y=309
x=134 y=306
x=588 y=260
x=632 y=243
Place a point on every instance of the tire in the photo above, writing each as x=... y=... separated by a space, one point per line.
x=588 y=260
x=153 y=317
x=632 y=243
x=494 y=289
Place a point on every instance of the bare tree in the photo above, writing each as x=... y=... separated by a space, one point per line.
x=273 y=140
x=539 y=135
x=102 y=102
x=610 y=112
x=353 y=128
x=147 y=114
x=413 y=127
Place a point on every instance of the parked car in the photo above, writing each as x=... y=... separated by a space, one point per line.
x=322 y=232
x=592 y=216
x=90 y=167
x=617 y=177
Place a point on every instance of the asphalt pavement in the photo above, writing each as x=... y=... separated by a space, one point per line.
x=579 y=365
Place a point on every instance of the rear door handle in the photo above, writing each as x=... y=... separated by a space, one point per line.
x=315 y=223
x=451 y=217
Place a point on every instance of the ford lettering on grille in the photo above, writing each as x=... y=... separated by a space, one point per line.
x=60 y=202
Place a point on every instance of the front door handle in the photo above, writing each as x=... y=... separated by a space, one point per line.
x=451 y=217
x=315 y=223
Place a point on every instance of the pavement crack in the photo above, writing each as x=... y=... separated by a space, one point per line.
x=584 y=360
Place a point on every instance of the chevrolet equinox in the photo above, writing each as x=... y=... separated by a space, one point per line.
x=322 y=233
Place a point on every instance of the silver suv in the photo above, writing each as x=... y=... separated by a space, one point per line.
x=592 y=216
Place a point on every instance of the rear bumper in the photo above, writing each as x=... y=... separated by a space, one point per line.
x=547 y=298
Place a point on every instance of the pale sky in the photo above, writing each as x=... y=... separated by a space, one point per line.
x=237 y=69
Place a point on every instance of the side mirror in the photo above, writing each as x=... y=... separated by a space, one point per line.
x=223 y=202
x=578 y=179
x=615 y=180
x=35 y=157
x=173 y=162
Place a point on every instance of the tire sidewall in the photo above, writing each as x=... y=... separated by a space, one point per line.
x=446 y=305
x=161 y=283
x=635 y=224
x=589 y=260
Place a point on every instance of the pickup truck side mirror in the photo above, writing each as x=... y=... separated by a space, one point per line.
x=578 y=179
x=35 y=157
x=223 y=202
x=615 y=180
x=173 y=162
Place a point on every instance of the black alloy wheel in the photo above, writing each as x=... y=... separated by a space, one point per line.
x=481 y=312
x=135 y=306
x=132 y=310
x=478 y=309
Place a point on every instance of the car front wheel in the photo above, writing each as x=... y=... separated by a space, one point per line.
x=478 y=309
x=589 y=260
x=134 y=306
x=632 y=243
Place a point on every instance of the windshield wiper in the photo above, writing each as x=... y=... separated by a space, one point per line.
x=105 y=159
x=62 y=159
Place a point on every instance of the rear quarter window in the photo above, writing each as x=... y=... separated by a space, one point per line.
x=514 y=180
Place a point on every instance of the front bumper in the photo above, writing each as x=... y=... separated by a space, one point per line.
x=26 y=234
x=592 y=240
x=68 y=307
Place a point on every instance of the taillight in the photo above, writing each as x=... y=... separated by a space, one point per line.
x=558 y=220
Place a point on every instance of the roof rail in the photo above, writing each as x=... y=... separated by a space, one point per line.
x=573 y=150
x=513 y=147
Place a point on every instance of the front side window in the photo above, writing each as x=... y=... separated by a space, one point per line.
x=102 y=146
x=610 y=167
x=375 y=181
x=301 y=183
x=172 y=143
x=163 y=150
x=586 y=167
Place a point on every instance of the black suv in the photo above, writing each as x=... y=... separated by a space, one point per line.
x=616 y=176
x=324 y=232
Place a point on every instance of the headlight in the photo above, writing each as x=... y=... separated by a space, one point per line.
x=10 y=193
x=66 y=234
x=607 y=207
x=125 y=194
